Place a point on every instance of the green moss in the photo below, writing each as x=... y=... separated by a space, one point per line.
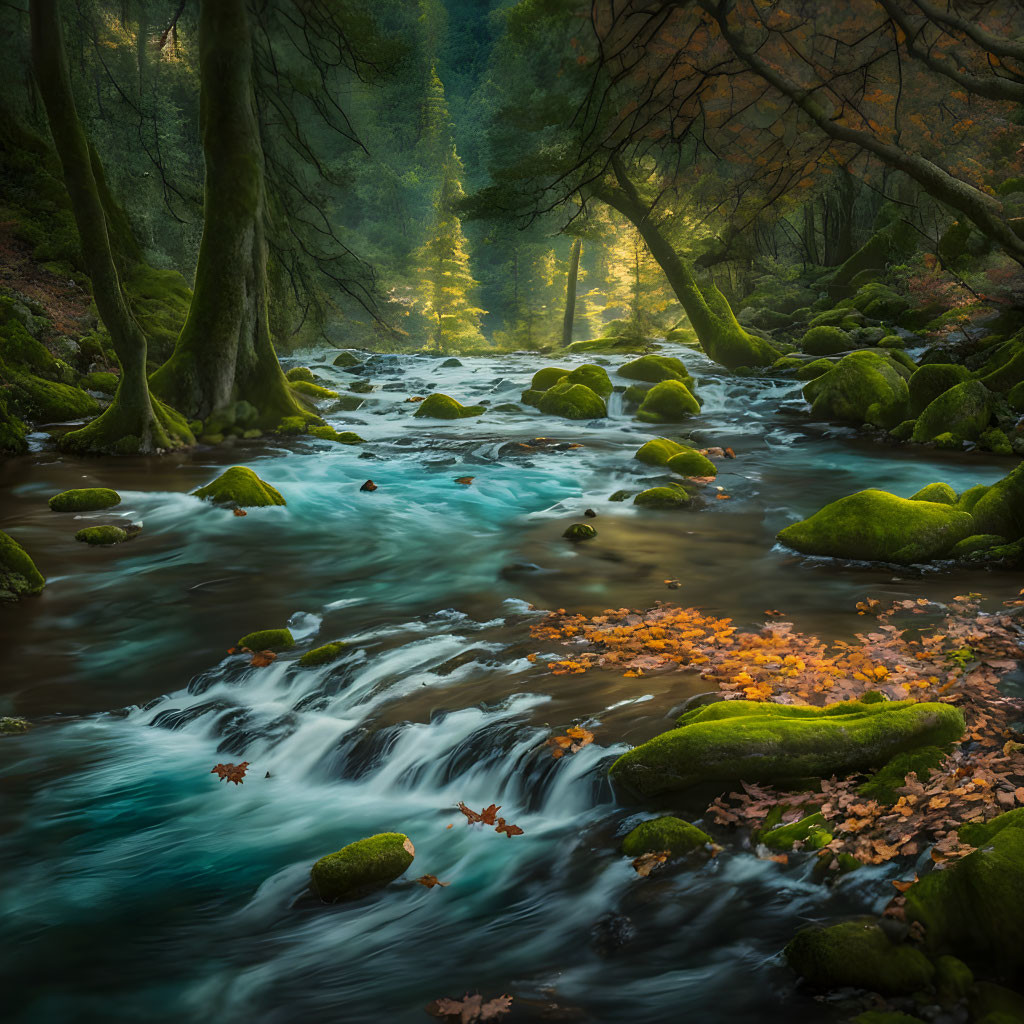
x=975 y=907
x=690 y=462
x=441 y=407
x=104 y=383
x=814 y=369
x=971 y=497
x=812 y=831
x=13 y=726
x=953 y=979
x=19 y=349
x=1001 y=508
x=880 y=302
x=572 y=401
x=833 y=317
x=676 y=836
x=101 y=535
x=1015 y=397
x=361 y=387
x=655 y=369
x=323 y=655
x=788 y=363
x=995 y=440
x=347 y=359
x=47 y=401
x=328 y=433
x=903 y=431
x=292 y=426
x=883 y=786
x=85 y=499
x=160 y=300
x=592 y=376
x=310 y=390
x=964 y=411
x=759 y=742
x=863 y=387
x=241 y=487
x=297 y=373
x=930 y=381
x=994 y=1004
x=668 y=402
x=580 y=531
x=546 y=378
x=18 y=573
x=12 y=430
x=267 y=640
x=674 y=496
x=941 y=494
x=362 y=866
x=620 y=496
x=975 y=543
x=876 y=526
x=885 y=1017
x=1009 y=374
x=825 y=341
x=659 y=451
x=858 y=954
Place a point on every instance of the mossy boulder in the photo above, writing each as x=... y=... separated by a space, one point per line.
x=442 y=407
x=1001 y=508
x=12 y=726
x=592 y=376
x=975 y=543
x=995 y=440
x=546 y=378
x=885 y=784
x=863 y=387
x=47 y=401
x=1010 y=370
x=690 y=462
x=668 y=402
x=362 y=866
x=676 y=836
x=930 y=381
x=298 y=373
x=580 y=531
x=975 y=907
x=834 y=317
x=347 y=359
x=104 y=383
x=323 y=655
x=325 y=432
x=267 y=640
x=940 y=493
x=814 y=369
x=572 y=402
x=241 y=487
x=876 y=526
x=102 y=535
x=659 y=451
x=311 y=390
x=85 y=499
x=963 y=411
x=812 y=831
x=18 y=573
x=655 y=369
x=825 y=340
x=880 y=302
x=673 y=496
x=971 y=497
x=768 y=743
x=858 y=954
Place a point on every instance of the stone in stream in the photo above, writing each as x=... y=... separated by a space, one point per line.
x=323 y=655
x=572 y=401
x=362 y=866
x=668 y=402
x=101 y=535
x=676 y=836
x=659 y=451
x=580 y=531
x=18 y=573
x=963 y=411
x=13 y=726
x=769 y=743
x=863 y=387
x=346 y=360
x=85 y=499
x=267 y=640
x=690 y=462
x=241 y=487
x=655 y=369
x=671 y=496
x=442 y=407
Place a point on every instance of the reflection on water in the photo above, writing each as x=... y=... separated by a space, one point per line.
x=163 y=895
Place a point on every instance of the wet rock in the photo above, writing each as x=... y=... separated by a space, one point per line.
x=13 y=726
x=676 y=836
x=658 y=451
x=362 y=866
x=241 y=487
x=368 y=486
x=85 y=499
x=863 y=387
x=310 y=390
x=102 y=535
x=300 y=373
x=590 y=513
x=580 y=531
x=322 y=655
x=572 y=401
x=347 y=360
x=451 y=362
x=691 y=463
x=441 y=407
x=620 y=496
x=267 y=640
x=655 y=369
x=668 y=402
x=671 y=496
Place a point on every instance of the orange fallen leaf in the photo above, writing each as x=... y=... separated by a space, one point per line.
x=464 y=480
x=230 y=772
x=240 y=512
x=509 y=830
x=729 y=453
x=261 y=659
x=430 y=881
x=368 y=486
x=723 y=497
x=647 y=862
x=416 y=398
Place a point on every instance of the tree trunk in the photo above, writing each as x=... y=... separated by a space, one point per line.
x=570 y=291
x=844 y=234
x=707 y=309
x=224 y=354
x=134 y=422
x=810 y=236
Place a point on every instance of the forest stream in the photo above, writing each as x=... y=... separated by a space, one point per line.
x=165 y=895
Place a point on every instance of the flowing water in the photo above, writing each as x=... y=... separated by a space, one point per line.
x=137 y=887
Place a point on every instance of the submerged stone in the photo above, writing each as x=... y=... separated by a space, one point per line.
x=322 y=655
x=441 y=407
x=756 y=742
x=102 y=535
x=876 y=526
x=18 y=573
x=327 y=433
x=580 y=531
x=241 y=487
x=668 y=402
x=676 y=836
x=362 y=866
x=85 y=499
x=267 y=640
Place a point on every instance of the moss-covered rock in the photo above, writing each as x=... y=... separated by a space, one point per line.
x=812 y=831
x=323 y=655
x=876 y=526
x=327 y=433
x=12 y=726
x=676 y=836
x=580 y=531
x=572 y=402
x=931 y=380
x=310 y=390
x=835 y=317
x=903 y=431
x=104 y=383
x=547 y=377
x=267 y=640
x=953 y=978
x=975 y=543
x=975 y=907
x=759 y=742
x=442 y=407
x=963 y=411
x=297 y=373
x=362 y=866
x=655 y=369
x=659 y=451
x=940 y=493
x=1010 y=370
x=241 y=487
x=690 y=462
x=885 y=784
x=347 y=359
x=46 y=401
x=971 y=497
x=880 y=302
x=668 y=402
x=1015 y=397
x=85 y=499
x=592 y=376
x=673 y=496
x=858 y=954
x=825 y=340
x=18 y=573
x=995 y=440
x=102 y=535
x=361 y=387
x=814 y=369
x=863 y=387
x=1000 y=509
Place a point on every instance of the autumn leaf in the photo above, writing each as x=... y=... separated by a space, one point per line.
x=470 y=1008
x=368 y=486
x=416 y=398
x=466 y=480
x=230 y=772
x=647 y=862
x=260 y=659
x=486 y=816
x=509 y=830
x=430 y=881
x=575 y=739
x=729 y=453
x=240 y=512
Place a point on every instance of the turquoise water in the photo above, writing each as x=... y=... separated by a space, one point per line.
x=138 y=887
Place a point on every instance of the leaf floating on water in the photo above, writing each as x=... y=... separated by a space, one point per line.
x=261 y=659
x=487 y=816
x=368 y=486
x=575 y=739
x=431 y=880
x=509 y=830
x=470 y=1008
x=230 y=772
x=672 y=584
x=465 y=480
x=239 y=512
x=729 y=453
x=723 y=497
x=416 y=398
x=647 y=862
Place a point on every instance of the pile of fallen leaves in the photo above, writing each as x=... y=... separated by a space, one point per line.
x=921 y=650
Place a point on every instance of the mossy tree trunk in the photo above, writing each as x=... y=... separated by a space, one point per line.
x=224 y=354
x=708 y=310
x=134 y=421
x=570 y=291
